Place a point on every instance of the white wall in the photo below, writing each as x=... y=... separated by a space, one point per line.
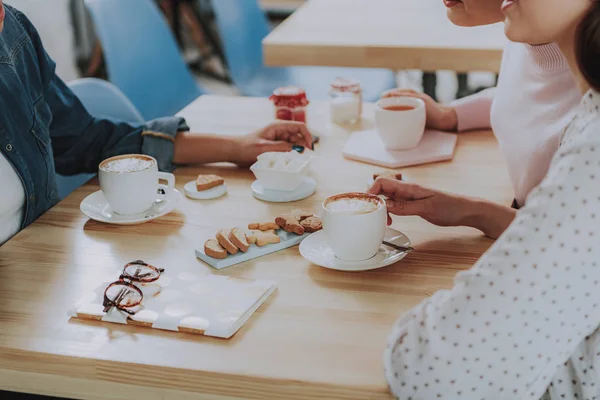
x=53 y=21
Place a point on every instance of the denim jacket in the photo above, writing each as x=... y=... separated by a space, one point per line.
x=44 y=128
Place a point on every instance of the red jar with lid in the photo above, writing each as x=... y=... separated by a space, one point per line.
x=290 y=103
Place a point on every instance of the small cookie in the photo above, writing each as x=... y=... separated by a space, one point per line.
x=251 y=237
x=206 y=182
x=238 y=238
x=254 y=226
x=265 y=238
x=213 y=249
x=290 y=223
x=223 y=239
x=312 y=224
x=389 y=175
x=301 y=214
x=268 y=226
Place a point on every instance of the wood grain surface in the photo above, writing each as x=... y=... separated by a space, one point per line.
x=321 y=335
x=395 y=34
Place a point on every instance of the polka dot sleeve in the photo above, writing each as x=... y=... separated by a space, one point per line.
x=509 y=323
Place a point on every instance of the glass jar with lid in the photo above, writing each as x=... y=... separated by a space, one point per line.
x=345 y=101
x=290 y=103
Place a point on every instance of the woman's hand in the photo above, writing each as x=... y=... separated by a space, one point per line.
x=443 y=209
x=197 y=148
x=280 y=136
x=439 y=117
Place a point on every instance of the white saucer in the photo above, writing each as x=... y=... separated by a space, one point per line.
x=96 y=207
x=316 y=250
x=192 y=192
x=306 y=189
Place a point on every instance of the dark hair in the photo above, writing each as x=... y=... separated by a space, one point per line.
x=587 y=46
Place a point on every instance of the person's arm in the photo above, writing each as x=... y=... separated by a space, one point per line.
x=80 y=141
x=519 y=313
x=443 y=209
x=473 y=112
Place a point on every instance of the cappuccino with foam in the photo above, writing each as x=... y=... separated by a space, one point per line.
x=130 y=183
x=355 y=225
x=125 y=164
x=352 y=205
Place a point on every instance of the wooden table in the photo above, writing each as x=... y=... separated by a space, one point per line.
x=395 y=34
x=321 y=335
x=282 y=5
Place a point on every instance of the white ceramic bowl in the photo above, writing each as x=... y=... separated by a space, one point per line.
x=274 y=174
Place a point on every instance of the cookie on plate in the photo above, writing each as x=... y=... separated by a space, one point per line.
x=251 y=237
x=312 y=224
x=223 y=239
x=388 y=175
x=239 y=240
x=267 y=237
x=213 y=249
x=206 y=182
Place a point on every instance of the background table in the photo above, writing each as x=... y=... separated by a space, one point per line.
x=321 y=335
x=395 y=34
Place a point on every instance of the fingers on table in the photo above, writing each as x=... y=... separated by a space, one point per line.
x=294 y=132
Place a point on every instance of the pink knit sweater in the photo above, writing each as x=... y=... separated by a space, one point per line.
x=528 y=111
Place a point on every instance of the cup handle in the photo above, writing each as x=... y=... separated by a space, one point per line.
x=165 y=190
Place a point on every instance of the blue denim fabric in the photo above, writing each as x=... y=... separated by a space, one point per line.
x=44 y=128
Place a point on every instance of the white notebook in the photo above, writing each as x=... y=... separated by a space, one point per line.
x=203 y=304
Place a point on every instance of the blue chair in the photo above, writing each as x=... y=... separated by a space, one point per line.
x=101 y=99
x=243 y=25
x=142 y=57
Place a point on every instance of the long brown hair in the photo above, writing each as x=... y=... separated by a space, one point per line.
x=587 y=46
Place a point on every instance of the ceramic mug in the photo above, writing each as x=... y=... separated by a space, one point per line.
x=130 y=183
x=400 y=122
x=355 y=234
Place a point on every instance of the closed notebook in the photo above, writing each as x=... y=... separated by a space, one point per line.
x=203 y=304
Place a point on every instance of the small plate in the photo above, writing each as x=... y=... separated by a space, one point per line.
x=306 y=189
x=192 y=192
x=316 y=250
x=96 y=207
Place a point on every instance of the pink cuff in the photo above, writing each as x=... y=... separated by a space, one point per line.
x=473 y=112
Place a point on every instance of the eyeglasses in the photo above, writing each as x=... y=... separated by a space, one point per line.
x=123 y=294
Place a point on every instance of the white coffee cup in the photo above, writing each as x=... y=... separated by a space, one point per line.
x=400 y=130
x=354 y=228
x=130 y=183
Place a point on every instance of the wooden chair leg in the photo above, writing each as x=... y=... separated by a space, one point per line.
x=95 y=62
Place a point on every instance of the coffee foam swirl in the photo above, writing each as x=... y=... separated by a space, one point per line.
x=352 y=205
x=128 y=164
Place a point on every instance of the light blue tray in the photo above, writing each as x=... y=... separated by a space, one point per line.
x=287 y=240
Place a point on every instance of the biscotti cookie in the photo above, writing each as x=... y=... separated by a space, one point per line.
x=206 y=182
x=223 y=239
x=238 y=238
x=213 y=249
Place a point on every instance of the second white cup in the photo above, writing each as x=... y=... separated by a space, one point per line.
x=130 y=183
x=400 y=122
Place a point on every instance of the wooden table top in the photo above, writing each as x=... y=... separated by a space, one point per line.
x=395 y=34
x=321 y=335
x=281 y=4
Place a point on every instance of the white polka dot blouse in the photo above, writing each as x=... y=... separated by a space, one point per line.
x=523 y=322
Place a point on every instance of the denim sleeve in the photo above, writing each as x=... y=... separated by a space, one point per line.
x=79 y=140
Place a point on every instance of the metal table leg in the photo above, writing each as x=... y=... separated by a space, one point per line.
x=430 y=84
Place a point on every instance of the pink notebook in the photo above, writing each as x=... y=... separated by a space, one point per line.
x=366 y=146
